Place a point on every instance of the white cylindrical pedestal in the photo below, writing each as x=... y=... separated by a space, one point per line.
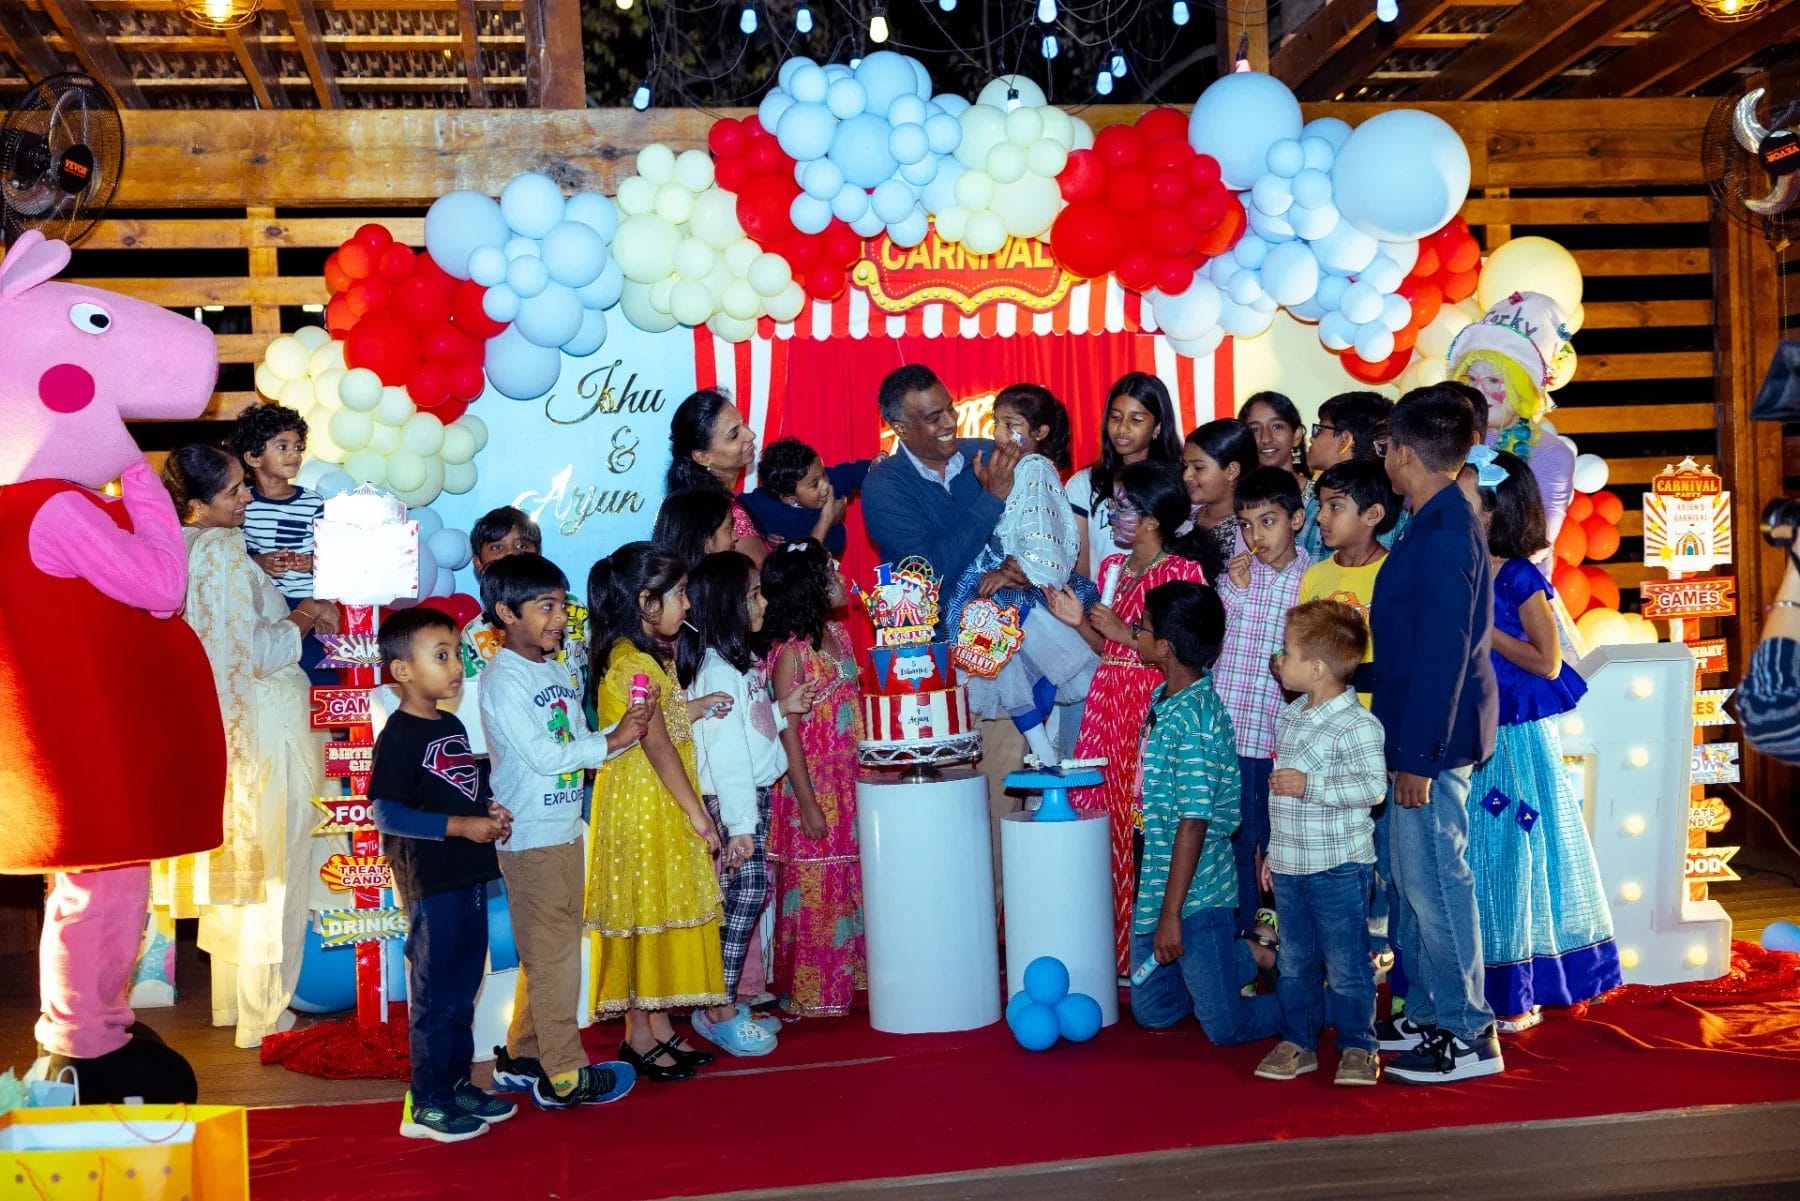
x=928 y=903
x=1058 y=880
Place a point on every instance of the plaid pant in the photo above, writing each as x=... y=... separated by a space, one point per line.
x=746 y=890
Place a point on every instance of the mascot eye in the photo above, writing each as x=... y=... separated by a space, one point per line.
x=90 y=318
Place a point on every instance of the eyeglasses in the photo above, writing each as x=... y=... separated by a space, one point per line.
x=1138 y=627
x=1320 y=429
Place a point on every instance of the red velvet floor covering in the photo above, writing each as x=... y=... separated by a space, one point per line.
x=838 y=1101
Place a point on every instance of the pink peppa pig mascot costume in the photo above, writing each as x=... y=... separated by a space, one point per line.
x=111 y=750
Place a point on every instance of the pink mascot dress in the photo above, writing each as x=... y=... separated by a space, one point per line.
x=113 y=750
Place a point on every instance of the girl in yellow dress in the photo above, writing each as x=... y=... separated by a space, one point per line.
x=653 y=898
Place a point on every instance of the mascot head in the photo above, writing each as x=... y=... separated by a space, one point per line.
x=76 y=363
x=1511 y=357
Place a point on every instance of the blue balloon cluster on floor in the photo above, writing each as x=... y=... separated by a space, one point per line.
x=1781 y=936
x=1045 y=1010
x=327 y=977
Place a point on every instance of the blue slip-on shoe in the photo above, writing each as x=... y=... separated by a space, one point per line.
x=738 y=1035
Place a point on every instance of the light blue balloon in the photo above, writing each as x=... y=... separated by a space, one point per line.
x=846 y=99
x=1330 y=292
x=521 y=247
x=1244 y=288
x=1310 y=311
x=772 y=107
x=910 y=230
x=1346 y=249
x=589 y=337
x=1242 y=321
x=1272 y=229
x=334 y=482
x=922 y=172
x=487 y=265
x=1238 y=118
x=836 y=71
x=1337 y=333
x=885 y=77
x=1035 y=1026
x=944 y=132
x=327 y=981
x=1311 y=188
x=1272 y=194
x=1316 y=154
x=1360 y=303
x=940 y=193
x=459 y=222
x=1250 y=252
x=850 y=203
x=1290 y=275
x=595 y=211
x=551 y=317
x=519 y=369
x=859 y=147
x=430 y=523
x=892 y=201
x=1046 y=979
x=784 y=75
x=1396 y=312
x=809 y=214
x=868 y=225
x=1781 y=936
x=1382 y=274
x=1078 y=1017
x=1265 y=303
x=1286 y=158
x=446 y=546
x=908 y=110
x=1401 y=174
x=500 y=303
x=805 y=131
x=574 y=254
x=810 y=84
x=503 y=954
x=821 y=178
x=921 y=79
x=952 y=104
x=1333 y=131
x=604 y=292
x=909 y=143
x=1374 y=343
x=1312 y=223
x=527 y=276
x=532 y=204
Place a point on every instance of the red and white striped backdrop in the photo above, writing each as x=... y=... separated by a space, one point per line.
x=755 y=370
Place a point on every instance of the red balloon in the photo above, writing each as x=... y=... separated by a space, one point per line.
x=466 y=383
x=335 y=279
x=1169 y=188
x=1224 y=235
x=1464 y=255
x=1204 y=170
x=357 y=259
x=1602 y=537
x=466 y=311
x=366 y=296
x=339 y=320
x=1425 y=297
x=767 y=158
x=1608 y=507
x=753 y=128
x=725 y=139
x=1169 y=156
x=826 y=282
x=1581 y=507
x=460 y=607
x=429 y=384
x=1128 y=190
x=1137 y=271
x=1375 y=373
x=1168 y=235
x=841 y=243
x=1083 y=177
x=801 y=252
x=451 y=409
x=1119 y=145
x=1174 y=276
x=1571 y=544
x=1163 y=125
x=1206 y=208
x=1572 y=586
x=731 y=173
x=1460 y=285
x=395 y=261
x=1428 y=263
x=385 y=345
x=1603 y=587
x=1086 y=239
x=373 y=236
x=444 y=343
x=1405 y=338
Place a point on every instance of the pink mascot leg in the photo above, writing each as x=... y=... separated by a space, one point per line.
x=83 y=979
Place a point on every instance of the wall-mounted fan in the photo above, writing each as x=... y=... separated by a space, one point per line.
x=61 y=150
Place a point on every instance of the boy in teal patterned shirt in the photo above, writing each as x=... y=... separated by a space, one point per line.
x=1183 y=933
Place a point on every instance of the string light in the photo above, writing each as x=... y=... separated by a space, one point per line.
x=640 y=99
x=1117 y=66
x=1046 y=11
x=1050 y=47
x=1012 y=99
x=948 y=6
x=878 y=27
x=1104 y=84
x=1387 y=10
x=1180 y=12
x=803 y=20
x=625 y=5
x=747 y=20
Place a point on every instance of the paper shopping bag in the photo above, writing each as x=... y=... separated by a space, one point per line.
x=125 y=1153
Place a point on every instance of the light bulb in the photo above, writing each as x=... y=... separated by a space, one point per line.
x=1103 y=85
x=1697 y=956
x=747 y=20
x=1387 y=10
x=878 y=30
x=1574 y=727
x=640 y=99
x=1117 y=66
x=1047 y=11
x=1642 y=687
x=1634 y=825
x=1631 y=891
x=1628 y=958
x=948 y=6
x=1180 y=13
x=1050 y=46
x=218 y=11
x=1012 y=99
x=625 y=5
x=1638 y=756
x=803 y=20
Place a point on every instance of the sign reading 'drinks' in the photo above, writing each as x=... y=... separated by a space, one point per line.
x=341 y=927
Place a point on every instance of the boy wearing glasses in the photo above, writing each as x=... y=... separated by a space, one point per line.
x=1352 y=427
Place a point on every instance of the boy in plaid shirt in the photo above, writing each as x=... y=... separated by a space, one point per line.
x=1330 y=772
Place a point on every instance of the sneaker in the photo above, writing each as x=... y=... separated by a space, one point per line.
x=764 y=1021
x=514 y=1074
x=600 y=1084
x=1286 y=1061
x=1522 y=1023
x=438 y=1124
x=482 y=1106
x=1444 y=1059
x=1400 y=1034
x=1357 y=1066
x=737 y=1035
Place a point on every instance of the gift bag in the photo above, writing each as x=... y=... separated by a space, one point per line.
x=125 y=1153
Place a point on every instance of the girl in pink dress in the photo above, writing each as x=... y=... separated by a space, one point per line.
x=819 y=964
x=1150 y=504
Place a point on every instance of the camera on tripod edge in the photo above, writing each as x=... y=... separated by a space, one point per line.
x=1781 y=522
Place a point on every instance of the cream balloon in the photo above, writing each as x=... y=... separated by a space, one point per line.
x=459 y=478
x=459 y=444
x=269 y=382
x=360 y=389
x=312 y=337
x=423 y=434
x=1434 y=340
x=405 y=470
x=287 y=357
x=326 y=357
x=297 y=394
x=367 y=467
x=325 y=387
x=395 y=407
x=384 y=439
x=1530 y=264
x=1562 y=368
x=788 y=303
x=477 y=428
x=350 y=429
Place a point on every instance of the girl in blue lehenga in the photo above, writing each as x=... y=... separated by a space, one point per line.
x=1546 y=933
x=1034 y=546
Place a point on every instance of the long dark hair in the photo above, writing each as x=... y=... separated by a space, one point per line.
x=614 y=613
x=1283 y=408
x=718 y=614
x=796 y=580
x=687 y=519
x=1039 y=406
x=1518 y=529
x=1155 y=490
x=690 y=430
x=1227 y=441
x=196 y=472
x=1153 y=394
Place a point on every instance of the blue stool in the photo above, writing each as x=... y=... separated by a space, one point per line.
x=1055 y=786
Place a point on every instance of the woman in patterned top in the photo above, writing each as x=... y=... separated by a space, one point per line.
x=711 y=447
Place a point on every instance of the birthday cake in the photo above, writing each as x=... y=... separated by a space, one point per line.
x=915 y=709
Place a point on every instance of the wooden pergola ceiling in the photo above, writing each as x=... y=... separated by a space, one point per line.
x=305 y=53
x=1519 y=49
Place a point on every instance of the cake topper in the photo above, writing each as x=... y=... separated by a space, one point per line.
x=903 y=606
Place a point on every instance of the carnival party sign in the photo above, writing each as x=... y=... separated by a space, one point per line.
x=901 y=278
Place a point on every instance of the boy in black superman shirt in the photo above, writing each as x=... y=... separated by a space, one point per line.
x=438 y=824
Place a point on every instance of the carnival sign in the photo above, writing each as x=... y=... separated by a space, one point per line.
x=1709 y=654
x=343 y=815
x=1708 y=815
x=1709 y=707
x=1716 y=763
x=1023 y=272
x=342 y=927
x=1706 y=596
x=1710 y=865
x=1687 y=480
x=345 y=759
x=1687 y=519
x=352 y=873
x=334 y=707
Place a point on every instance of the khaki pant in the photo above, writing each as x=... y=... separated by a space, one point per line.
x=545 y=887
x=1002 y=753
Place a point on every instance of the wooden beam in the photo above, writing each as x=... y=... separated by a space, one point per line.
x=1526 y=31
x=1342 y=72
x=25 y=45
x=1555 y=57
x=96 y=54
x=1687 y=38
x=259 y=71
x=1245 y=21
x=1305 y=50
x=1772 y=28
x=471 y=52
x=304 y=19
x=555 y=72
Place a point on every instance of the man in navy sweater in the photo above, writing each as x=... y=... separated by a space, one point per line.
x=941 y=496
x=1432 y=618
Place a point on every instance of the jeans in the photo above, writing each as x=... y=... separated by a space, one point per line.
x=1435 y=921
x=1325 y=938
x=446 y=955
x=1207 y=981
x=1252 y=835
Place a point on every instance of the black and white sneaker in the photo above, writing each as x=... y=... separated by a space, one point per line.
x=514 y=1074
x=1397 y=1034
x=1445 y=1059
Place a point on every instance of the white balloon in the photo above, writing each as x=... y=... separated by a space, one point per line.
x=1591 y=473
x=287 y=357
x=384 y=439
x=423 y=434
x=360 y=389
x=394 y=408
x=656 y=163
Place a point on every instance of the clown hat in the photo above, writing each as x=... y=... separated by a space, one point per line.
x=1526 y=327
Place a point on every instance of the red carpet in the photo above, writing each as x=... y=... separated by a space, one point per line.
x=839 y=1101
